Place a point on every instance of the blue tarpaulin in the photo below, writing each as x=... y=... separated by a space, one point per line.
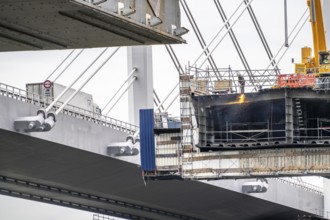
x=147 y=140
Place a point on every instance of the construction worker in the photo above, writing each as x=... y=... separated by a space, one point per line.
x=241 y=82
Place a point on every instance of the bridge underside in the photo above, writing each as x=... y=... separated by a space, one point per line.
x=63 y=24
x=45 y=171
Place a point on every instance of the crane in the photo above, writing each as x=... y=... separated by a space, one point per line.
x=319 y=64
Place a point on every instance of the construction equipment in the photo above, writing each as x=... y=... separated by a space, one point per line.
x=319 y=64
x=312 y=71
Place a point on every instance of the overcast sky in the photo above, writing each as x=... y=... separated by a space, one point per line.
x=19 y=68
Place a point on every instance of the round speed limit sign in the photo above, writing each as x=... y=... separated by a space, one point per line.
x=47 y=84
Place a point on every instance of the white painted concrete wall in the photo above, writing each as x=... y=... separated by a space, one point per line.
x=68 y=130
x=326 y=185
x=279 y=192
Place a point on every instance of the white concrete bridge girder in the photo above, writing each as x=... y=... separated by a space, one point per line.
x=262 y=163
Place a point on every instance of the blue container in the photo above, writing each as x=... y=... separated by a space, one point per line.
x=147 y=140
x=174 y=124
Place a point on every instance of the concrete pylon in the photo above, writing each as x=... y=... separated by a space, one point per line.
x=140 y=94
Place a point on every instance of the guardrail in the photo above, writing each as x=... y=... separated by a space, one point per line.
x=43 y=102
x=302 y=185
x=103 y=217
x=208 y=82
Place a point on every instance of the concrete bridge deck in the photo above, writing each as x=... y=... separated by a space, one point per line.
x=49 y=172
x=64 y=24
x=68 y=166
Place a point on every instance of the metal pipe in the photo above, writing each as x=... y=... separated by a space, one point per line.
x=283 y=45
x=129 y=76
x=69 y=87
x=280 y=59
x=60 y=64
x=68 y=65
x=82 y=86
x=286 y=42
x=294 y=37
x=249 y=3
x=129 y=85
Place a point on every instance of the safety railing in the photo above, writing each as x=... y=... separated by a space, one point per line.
x=206 y=82
x=321 y=212
x=247 y=133
x=301 y=184
x=43 y=102
x=318 y=132
x=103 y=217
x=296 y=80
x=163 y=121
x=253 y=136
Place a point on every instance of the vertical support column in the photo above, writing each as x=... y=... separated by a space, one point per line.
x=288 y=118
x=140 y=94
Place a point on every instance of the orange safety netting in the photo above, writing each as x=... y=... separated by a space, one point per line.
x=296 y=80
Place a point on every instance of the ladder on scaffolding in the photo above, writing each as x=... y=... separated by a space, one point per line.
x=299 y=116
x=186 y=113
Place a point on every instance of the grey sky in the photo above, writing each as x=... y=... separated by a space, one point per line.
x=19 y=68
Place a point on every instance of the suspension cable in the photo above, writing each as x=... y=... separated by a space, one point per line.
x=288 y=46
x=68 y=65
x=178 y=67
x=262 y=37
x=172 y=102
x=129 y=76
x=216 y=46
x=174 y=58
x=70 y=86
x=60 y=64
x=157 y=102
x=295 y=36
x=199 y=36
x=234 y=39
x=217 y=34
x=82 y=86
x=128 y=86
x=161 y=104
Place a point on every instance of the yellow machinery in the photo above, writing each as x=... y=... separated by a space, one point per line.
x=319 y=64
